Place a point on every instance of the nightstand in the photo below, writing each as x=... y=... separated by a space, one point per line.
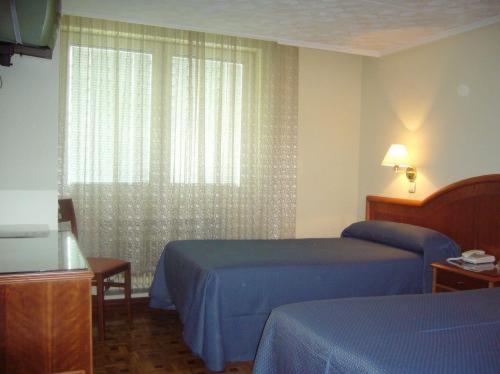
x=447 y=277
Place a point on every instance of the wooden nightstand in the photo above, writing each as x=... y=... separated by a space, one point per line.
x=447 y=277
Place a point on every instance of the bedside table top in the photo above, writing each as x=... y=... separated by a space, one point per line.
x=487 y=275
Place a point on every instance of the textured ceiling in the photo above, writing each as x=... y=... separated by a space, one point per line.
x=368 y=27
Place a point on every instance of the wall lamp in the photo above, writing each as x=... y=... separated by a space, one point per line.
x=397 y=157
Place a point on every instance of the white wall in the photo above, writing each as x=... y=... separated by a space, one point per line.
x=328 y=139
x=443 y=101
x=28 y=141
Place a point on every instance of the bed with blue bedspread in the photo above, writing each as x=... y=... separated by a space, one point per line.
x=224 y=290
x=433 y=333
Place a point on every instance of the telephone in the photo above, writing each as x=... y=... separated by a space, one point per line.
x=475 y=256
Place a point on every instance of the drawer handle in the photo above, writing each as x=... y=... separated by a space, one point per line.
x=460 y=283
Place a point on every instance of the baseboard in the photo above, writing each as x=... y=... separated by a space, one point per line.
x=115 y=301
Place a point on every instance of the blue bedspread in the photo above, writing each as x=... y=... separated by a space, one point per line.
x=433 y=333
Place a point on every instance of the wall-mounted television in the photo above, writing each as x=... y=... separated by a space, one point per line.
x=28 y=27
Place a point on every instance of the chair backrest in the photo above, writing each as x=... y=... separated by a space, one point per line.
x=67 y=214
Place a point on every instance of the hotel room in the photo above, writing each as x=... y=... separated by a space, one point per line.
x=268 y=186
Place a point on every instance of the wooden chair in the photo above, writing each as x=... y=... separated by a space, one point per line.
x=102 y=267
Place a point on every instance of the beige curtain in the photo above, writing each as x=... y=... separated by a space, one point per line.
x=169 y=134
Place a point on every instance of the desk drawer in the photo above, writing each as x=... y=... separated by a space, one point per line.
x=451 y=281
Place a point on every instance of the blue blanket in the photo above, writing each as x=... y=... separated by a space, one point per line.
x=433 y=333
x=224 y=290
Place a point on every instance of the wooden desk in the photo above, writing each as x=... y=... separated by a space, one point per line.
x=447 y=277
x=45 y=306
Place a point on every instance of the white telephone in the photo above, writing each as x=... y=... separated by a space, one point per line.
x=475 y=256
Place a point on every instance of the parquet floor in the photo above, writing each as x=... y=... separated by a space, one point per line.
x=153 y=344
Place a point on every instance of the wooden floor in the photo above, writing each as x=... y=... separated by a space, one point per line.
x=152 y=345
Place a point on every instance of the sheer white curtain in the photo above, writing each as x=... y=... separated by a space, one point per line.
x=169 y=134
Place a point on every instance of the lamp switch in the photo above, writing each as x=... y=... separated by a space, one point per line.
x=412 y=187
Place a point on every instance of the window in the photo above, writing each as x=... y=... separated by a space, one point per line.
x=170 y=134
x=218 y=140
x=109 y=116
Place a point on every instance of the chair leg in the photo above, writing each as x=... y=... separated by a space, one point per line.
x=100 y=306
x=128 y=292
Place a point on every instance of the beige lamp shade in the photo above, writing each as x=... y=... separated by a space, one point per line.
x=397 y=155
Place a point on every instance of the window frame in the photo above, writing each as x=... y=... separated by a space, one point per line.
x=241 y=127
x=156 y=65
x=144 y=178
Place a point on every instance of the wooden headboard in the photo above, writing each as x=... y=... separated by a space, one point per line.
x=467 y=211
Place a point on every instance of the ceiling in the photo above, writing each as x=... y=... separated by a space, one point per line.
x=366 y=27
